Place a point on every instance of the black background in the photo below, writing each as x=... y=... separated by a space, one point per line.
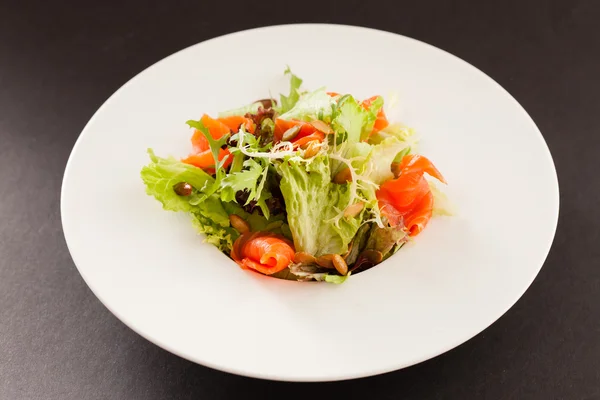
x=59 y=61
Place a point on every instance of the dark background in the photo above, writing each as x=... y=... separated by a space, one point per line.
x=59 y=61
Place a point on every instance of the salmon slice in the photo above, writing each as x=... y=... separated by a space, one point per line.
x=319 y=136
x=417 y=218
x=234 y=123
x=404 y=190
x=381 y=122
x=408 y=198
x=264 y=252
x=216 y=129
x=206 y=161
x=282 y=125
x=414 y=163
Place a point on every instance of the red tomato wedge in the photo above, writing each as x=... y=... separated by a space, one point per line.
x=408 y=198
x=264 y=252
x=234 y=123
x=381 y=122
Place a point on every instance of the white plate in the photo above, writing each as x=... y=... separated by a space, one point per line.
x=155 y=274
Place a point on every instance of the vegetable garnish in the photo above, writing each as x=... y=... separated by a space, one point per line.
x=317 y=186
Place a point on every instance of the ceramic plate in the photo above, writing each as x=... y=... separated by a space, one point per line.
x=153 y=271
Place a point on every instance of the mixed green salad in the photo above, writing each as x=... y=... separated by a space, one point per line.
x=315 y=186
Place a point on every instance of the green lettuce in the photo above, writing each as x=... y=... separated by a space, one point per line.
x=311 y=106
x=209 y=215
x=441 y=203
x=352 y=120
x=313 y=203
x=400 y=132
x=163 y=173
x=302 y=272
x=379 y=161
x=288 y=102
x=253 y=180
x=374 y=108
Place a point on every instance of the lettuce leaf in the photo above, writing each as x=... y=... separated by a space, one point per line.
x=374 y=108
x=400 y=132
x=215 y=234
x=379 y=161
x=350 y=119
x=302 y=272
x=253 y=179
x=276 y=223
x=311 y=106
x=209 y=215
x=441 y=203
x=313 y=202
x=163 y=173
x=384 y=239
x=288 y=102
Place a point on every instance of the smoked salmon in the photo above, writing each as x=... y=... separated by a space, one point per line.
x=264 y=252
x=381 y=122
x=234 y=123
x=202 y=156
x=408 y=199
x=282 y=125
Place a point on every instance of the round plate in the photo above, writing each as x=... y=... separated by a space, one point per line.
x=462 y=273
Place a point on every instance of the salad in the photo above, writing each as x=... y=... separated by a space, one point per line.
x=315 y=186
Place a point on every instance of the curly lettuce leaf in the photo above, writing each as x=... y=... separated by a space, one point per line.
x=253 y=180
x=163 y=173
x=215 y=234
x=288 y=102
x=313 y=202
x=210 y=218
